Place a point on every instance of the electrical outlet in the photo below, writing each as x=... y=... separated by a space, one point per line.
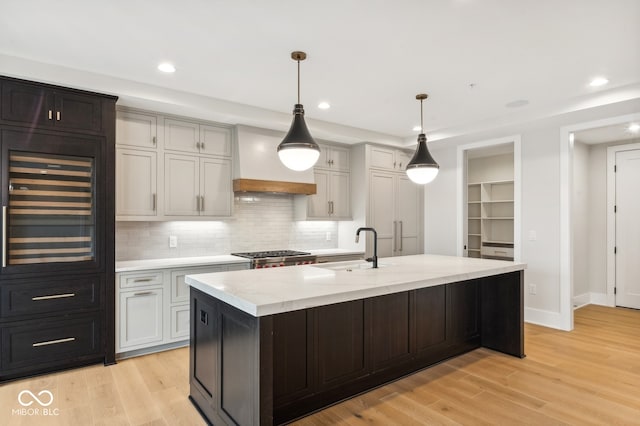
x=173 y=241
x=533 y=289
x=328 y=236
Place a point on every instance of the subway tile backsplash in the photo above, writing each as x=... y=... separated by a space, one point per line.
x=261 y=222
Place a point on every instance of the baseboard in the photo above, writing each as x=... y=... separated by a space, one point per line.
x=581 y=300
x=544 y=318
x=600 y=299
x=151 y=350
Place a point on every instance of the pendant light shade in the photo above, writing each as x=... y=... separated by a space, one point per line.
x=422 y=168
x=298 y=151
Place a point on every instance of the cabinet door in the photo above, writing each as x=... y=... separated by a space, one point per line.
x=136 y=183
x=180 y=289
x=382 y=210
x=318 y=204
x=430 y=319
x=402 y=159
x=27 y=103
x=341 y=341
x=408 y=217
x=215 y=187
x=181 y=179
x=340 y=195
x=382 y=158
x=181 y=135
x=179 y=322
x=339 y=158
x=75 y=111
x=390 y=323
x=215 y=140
x=325 y=157
x=135 y=129
x=140 y=318
x=463 y=314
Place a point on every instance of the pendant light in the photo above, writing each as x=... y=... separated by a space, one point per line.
x=298 y=151
x=422 y=168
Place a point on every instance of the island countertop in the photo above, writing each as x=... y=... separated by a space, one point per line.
x=261 y=292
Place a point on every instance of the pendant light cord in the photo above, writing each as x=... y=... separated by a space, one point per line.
x=421 y=116
x=298 y=81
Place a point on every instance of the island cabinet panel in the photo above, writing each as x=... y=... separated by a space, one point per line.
x=341 y=339
x=390 y=329
x=502 y=313
x=430 y=319
x=463 y=310
x=292 y=358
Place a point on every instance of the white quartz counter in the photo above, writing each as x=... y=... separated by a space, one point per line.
x=177 y=262
x=262 y=292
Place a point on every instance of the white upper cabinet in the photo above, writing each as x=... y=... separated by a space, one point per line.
x=216 y=192
x=186 y=136
x=136 y=183
x=136 y=130
x=333 y=157
x=389 y=158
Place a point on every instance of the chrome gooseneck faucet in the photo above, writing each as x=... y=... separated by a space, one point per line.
x=373 y=259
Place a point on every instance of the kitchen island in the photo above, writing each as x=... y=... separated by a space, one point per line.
x=269 y=346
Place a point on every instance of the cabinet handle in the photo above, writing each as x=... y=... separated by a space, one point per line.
x=400 y=164
x=198 y=145
x=202 y=203
x=400 y=235
x=50 y=115
x=394 y=164
x=154 y=202
x=154 y=140
x=58 y=115
x=54 y=296
x=202 y=146
x=197 y=203
x=142 y=280
x=143 y=293
x=395 y=236
x=4 y=236
x=53 y=342
x=500 y=251
x=332 y=207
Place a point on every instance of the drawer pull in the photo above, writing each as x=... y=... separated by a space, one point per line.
x=143 y=293
x=142 y=280
x=54 y=296
x=500 y=251
x=53 y=342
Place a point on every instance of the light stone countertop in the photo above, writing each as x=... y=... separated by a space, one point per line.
x=260 y=292
x=178 y=262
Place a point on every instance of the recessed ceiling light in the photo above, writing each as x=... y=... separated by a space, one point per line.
x=634 y=128
x=417 y=128
x=167 y=67
x=598 y=81
x=324 y=105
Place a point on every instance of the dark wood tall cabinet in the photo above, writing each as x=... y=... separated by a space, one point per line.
x=57 y=157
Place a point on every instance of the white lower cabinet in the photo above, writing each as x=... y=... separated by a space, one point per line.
x=152 y=309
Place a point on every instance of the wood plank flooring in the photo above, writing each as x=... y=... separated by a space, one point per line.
x=588 y=376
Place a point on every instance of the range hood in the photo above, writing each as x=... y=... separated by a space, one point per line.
x=257 y=167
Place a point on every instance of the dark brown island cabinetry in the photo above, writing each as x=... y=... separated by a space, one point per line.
x=273 y=369
x=57 y=151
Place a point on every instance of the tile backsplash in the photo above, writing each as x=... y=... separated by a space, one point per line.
x=260 y=222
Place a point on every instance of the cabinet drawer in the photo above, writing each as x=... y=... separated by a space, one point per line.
x=497 y=251
x=29 y=298
x=141 y=279
x=50 y=341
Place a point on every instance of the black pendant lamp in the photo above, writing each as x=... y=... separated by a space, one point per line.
x=422 y=168
x=298 y=151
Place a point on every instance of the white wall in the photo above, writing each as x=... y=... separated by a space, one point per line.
x=490 y=168
x=580 y=222
x=540 y=148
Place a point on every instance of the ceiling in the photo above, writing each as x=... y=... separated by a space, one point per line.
x=368 y=58
x=612 y=133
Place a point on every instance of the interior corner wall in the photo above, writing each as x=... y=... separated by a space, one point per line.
x=581 y=214
x=541 y=185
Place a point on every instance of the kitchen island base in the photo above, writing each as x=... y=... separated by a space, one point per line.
x=272 y=369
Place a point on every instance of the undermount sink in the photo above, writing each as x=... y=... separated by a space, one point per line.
x=350 y=266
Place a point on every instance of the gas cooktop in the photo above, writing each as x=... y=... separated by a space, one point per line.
x=271 y=253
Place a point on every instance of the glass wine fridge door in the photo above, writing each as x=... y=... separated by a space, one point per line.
x=49 y=220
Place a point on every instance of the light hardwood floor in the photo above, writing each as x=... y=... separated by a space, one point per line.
x=588 y=376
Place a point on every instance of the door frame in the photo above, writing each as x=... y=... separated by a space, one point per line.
x=566 y=234
x=611 y=217
x=461 y=172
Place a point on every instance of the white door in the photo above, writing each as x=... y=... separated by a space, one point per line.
x=628 y=229
x=140 y=318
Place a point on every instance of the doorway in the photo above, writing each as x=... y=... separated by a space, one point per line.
x=598 y=271
x=489 y=199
